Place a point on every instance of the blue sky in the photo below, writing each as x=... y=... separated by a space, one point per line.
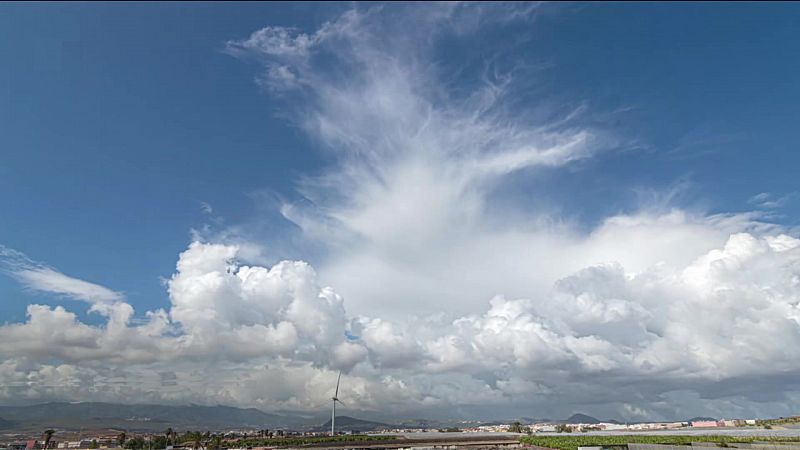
x=120 y=121
x=126 y=118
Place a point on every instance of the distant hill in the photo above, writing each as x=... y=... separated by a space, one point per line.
x=535 y=419
x=4 y=424
x=538 y=420
x=701 y=419
x=142 y=417
x=424 y=423
x=346 y=423
x=420 y=423
x=581 y=418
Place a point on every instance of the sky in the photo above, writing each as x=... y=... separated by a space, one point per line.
x=471 y=210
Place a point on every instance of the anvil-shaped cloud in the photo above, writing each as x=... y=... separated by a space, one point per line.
x=444 y=294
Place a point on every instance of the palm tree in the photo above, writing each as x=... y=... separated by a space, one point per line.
x=196 y=439
x=168 y=432
x=215 y=443
x=48 y=434
x=121 y=439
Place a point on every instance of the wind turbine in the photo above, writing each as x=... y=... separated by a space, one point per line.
x=335 y=399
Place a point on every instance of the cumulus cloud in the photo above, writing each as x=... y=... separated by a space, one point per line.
x=733 y=313
x=436 y=294
x=410 y=218
x=246 y=311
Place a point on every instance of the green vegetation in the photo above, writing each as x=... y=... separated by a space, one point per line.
x=135 y=443
x=573 y=442
x=793 y=420
x=197 y=440
x=215 y=443
x=158 y=442
x=517 y=427
x=140 y=443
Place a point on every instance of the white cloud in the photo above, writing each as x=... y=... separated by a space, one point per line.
x=407 y=215
x=206 y=208
x=40 y=277
x=432 y=296
x=48 y=280
x=766 y=200
x=417 y=167
x=730 y=314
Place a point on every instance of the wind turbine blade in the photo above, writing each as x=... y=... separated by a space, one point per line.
x=337 y=384
x=340 y=402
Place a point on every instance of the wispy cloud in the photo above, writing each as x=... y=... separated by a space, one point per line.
x=206 y=208
x=408 y=215
x=433 y=282
x=768 y=200
x=705 y=140
x=43 y=278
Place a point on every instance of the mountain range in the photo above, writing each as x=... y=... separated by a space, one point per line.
x=74 y=416
x=5 y=424
x=583 y=418
x=346 y=423
x=156 y=418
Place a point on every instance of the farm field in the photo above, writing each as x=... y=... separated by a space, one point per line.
x=572 y=442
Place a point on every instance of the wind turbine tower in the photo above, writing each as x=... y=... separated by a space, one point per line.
x=335 y=399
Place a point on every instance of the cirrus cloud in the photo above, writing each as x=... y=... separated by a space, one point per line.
x=436 y=293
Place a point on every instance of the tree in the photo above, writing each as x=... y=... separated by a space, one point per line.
x=94 y=444
x=48 y=434
x=215 y=443
x=136 y=443
x=563 y=428
x=159 y=442
x=195 y=438
x=121 y=439
x=168 y=432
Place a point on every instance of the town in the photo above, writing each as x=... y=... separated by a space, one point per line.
x=254 y=439
x=569 y=427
